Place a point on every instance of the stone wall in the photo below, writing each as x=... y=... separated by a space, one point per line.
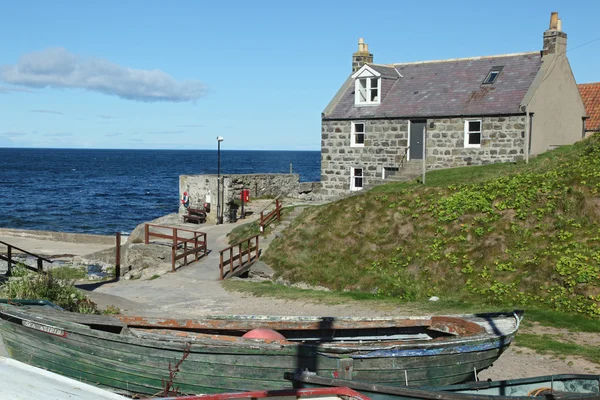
x=386 y=140
x=203 y=189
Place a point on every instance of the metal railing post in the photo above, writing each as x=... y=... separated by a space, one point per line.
x=9 y=255
x=146 y=233
x=221 y=265
x=118 y=256
x=40 y=267
x=231 y=260
x=173 y=249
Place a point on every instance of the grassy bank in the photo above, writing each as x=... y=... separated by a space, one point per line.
x=517 y=235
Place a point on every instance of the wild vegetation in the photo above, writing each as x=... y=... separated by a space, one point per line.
x=25 y=284
x=519 y=235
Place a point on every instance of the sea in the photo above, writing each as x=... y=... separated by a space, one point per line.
x=108 y=191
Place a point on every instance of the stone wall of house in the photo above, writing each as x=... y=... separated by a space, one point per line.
x=502 y=140
x=203 y=189
x=386 y=141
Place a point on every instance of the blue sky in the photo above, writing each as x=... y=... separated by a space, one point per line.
x=177 y=74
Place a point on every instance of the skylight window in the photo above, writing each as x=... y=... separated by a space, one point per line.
x=492 y=75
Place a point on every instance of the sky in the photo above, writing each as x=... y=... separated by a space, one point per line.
x=177 y=74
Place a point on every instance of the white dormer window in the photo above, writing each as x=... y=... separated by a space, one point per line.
x=367 y=89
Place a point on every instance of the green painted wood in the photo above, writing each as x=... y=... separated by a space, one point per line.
x=137 y=360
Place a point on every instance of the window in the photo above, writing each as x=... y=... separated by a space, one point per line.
x=367 y=91
x=358 y=134
x=492 y=75
x=356 y=179
x=472 y=133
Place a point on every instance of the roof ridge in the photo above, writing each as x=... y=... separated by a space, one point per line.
x=461 y=59
x=590 y=83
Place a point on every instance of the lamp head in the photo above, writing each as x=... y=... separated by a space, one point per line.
x=219 y=138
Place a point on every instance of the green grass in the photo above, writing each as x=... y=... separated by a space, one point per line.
x=508 y=235
x=69 y=273
x=546 y=344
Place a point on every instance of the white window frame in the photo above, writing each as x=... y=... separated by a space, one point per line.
x=367 y=75
x=353 y=142
x=353 y=177
x=467 y=132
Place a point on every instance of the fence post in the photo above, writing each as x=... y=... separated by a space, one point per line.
x=9 y=255
x=231 y=260
x=241 y=255
x=40 y=265
x=146 y=233
x=278 y=210
x=173 y=249
x=118 y=257
x=196 y=246
x=257 y=236
x=221 y=264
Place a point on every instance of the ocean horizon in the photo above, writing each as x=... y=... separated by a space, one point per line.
x=103 y=191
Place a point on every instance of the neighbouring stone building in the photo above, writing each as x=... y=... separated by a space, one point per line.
x=227 y=193
x=590 y=94
x=387 y=120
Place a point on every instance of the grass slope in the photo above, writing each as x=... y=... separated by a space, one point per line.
x=519 y=235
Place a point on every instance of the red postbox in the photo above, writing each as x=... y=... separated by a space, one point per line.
x=245 y=195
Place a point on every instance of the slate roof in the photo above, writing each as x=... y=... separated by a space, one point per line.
x=446 y=88
x=590 y=94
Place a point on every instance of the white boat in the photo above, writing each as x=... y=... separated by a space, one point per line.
x=24 y=382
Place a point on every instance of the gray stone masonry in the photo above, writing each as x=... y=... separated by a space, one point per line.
x=502 y=140
x=203 y=189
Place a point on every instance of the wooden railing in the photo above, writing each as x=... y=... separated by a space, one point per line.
x=197 y=242
x=270 y=217
x=10 y=261
x=240 y=252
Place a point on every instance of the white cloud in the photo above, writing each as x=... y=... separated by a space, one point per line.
x=12 y=89
x=58 y=68
x=166 y=133
x=47 y=112
x=106 y=116
x=13 y=134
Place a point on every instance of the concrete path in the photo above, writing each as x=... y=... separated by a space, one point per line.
x=192 y=290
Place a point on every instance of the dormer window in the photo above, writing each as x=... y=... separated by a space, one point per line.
x=492 y=75
x=367 y=89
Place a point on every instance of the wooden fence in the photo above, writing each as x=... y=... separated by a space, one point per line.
x=197 y=242
x=242 y=252
x=270 y=217
x=10 y=261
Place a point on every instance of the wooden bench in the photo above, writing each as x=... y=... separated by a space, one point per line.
x=195 y=215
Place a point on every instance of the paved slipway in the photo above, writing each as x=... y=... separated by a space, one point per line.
x=195 y=290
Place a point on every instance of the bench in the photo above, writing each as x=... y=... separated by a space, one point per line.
x=195 y=215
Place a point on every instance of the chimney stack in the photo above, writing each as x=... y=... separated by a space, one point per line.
x=555 y=40
x=362 y=56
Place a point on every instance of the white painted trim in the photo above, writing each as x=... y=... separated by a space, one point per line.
x=368 y=89
x=353 y=132
x=466 y=141
x=365 y=69
x=352 y=176
x=408 y=142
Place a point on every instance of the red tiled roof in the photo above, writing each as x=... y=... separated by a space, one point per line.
x=590 y=94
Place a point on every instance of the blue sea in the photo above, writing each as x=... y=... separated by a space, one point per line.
x=108 y=191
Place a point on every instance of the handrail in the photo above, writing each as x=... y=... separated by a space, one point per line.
x=265 y=220
x=239 y=256
x=9 y=260
x=404 y=156
x=198 y=242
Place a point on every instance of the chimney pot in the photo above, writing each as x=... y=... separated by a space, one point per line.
x=362 y=56
x=553 y=20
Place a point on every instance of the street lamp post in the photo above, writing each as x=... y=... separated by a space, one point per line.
x=219 y=218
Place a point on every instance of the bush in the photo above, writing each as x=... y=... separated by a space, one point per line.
x=24 y=284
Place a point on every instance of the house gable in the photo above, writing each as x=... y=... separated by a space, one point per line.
x=590 y=94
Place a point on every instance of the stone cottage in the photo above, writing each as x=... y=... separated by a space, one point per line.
x=387 y=120
x=590 y=94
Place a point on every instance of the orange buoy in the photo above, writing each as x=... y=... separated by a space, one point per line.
x=261 y=333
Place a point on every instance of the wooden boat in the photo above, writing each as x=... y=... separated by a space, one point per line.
x=563 y=386
x=24 y=382
x=135 y=353
x=337 y=393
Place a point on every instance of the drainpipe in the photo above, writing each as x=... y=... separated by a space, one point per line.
x=527 y=144
x=424 y=152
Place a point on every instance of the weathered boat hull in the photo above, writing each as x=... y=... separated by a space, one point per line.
x=337 y=393
x=135 y=355
x=567 y=386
